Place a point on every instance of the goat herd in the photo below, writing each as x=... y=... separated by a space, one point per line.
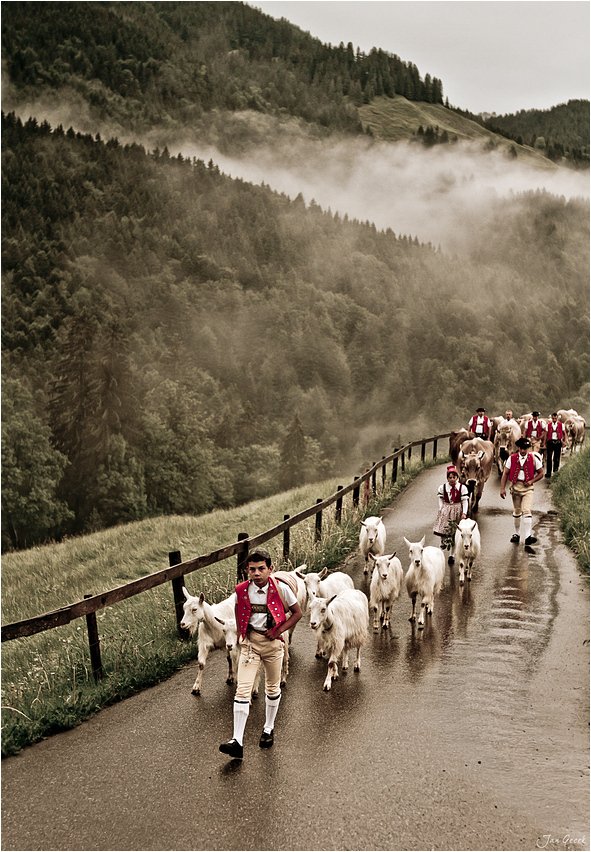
x=339 y=613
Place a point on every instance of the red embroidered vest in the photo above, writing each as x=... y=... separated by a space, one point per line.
x=559 y=430
x=243 y=606
x=447 y=496
x=484 y=424
x=529 y=467
x=529 y=429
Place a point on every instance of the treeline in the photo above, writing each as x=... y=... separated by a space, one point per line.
x=561 y=132
x=175 y=340
x=145 y=64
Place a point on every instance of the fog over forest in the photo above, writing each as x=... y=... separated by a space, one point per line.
x=435 y=194
x=440 y=195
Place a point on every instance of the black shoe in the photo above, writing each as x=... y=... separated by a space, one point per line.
x=514 y=539
x=450 y=560
x=233 y=748
x=548 y=475
x=531 y=539
x=266 y=740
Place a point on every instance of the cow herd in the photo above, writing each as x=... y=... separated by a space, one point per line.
x=475 y=458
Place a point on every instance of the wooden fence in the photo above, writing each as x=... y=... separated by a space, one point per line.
x=177 y=569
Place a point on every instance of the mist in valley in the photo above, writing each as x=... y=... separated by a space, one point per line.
x=441 y=195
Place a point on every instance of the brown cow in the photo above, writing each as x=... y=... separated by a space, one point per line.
x=565 y=413
x=456 y=439
x=574 y=429
x=476 y=464
x=504 y=445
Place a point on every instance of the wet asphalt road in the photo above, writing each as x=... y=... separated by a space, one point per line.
x=470 y=735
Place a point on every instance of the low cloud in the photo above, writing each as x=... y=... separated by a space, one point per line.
x=433 y=193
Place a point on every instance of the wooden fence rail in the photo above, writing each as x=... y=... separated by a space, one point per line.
x=177 y=569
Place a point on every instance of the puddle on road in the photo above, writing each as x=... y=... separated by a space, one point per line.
x=474 y=666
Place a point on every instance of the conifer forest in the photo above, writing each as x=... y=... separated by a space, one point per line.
x=176 y=339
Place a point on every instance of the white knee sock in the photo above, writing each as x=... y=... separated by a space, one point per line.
x=517 y=523
x=527 y=524
x=241 y=711
x=271 y=707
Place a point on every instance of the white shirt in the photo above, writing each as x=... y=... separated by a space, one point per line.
x=258 y=620
x=463 y=495
x=521 y=460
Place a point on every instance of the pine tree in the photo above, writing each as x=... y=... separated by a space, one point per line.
x=293 y=455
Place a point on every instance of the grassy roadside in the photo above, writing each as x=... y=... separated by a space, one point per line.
x=47 y=682
x=570 y=493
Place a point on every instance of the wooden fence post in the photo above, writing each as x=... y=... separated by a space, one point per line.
x=356 y=494
x=286 y=541
x=423 y=445
x=174 y=558
x=366 y=489
x=409 y=452
x=373 y=481
x=338 y=512
x=318 y=532
x=435 y=448
x=94 y=644
x=383 y=474
x=241 y=572
x=402 y=461
x=395 y=467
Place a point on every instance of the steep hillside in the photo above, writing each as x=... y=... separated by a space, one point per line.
x=397 y=119
x=146 y=64
x=176 y=341
x=190 y=71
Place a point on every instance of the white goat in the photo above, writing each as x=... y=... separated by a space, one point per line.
x=467 y=546
x=216 y=624
x=424 y=576
x=340 y=623
x=298 y=587
x=372 y=539
x=323 y=586
x=386 y=581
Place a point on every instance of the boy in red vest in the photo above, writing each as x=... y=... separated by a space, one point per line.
x=554 y=444
x=261 y=618
x=523 y=469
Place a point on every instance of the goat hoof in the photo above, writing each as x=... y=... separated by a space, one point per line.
x=195 y=691
x=356 y=668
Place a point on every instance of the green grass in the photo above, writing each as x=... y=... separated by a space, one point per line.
x=396 y=119
x=47 y=682
x=570 y=492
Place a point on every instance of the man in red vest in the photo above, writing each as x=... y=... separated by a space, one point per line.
x=522 y=469
x=480 y=425
x=554 y=444
x=261 y=618
x=534 y=429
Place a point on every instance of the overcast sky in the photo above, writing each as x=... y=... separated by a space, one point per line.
x=491 y=55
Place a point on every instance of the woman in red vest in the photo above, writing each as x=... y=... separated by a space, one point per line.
x=554 y=444
x=522 y=469
x=260 y=620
